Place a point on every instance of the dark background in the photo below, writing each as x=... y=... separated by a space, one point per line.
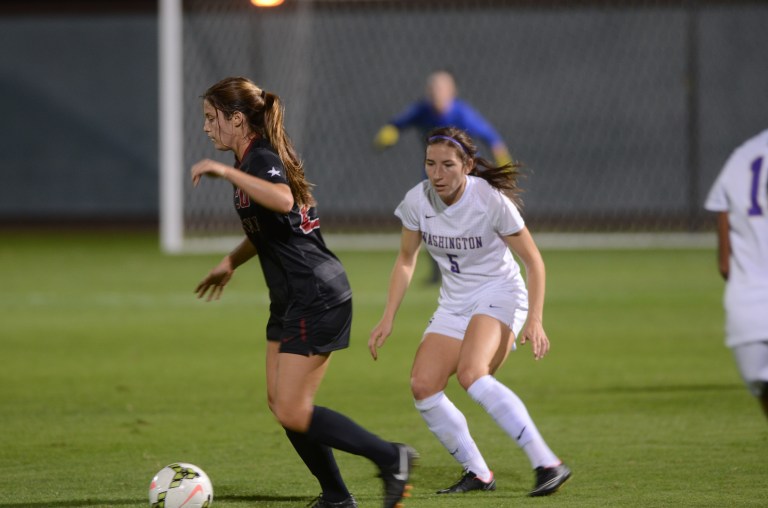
x=623 y=112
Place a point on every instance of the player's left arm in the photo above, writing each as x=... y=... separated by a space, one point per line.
x=723 y=244
x=479 y=127
x=275 y=196
x=501 y=154
x=213 y=284
x=523 y=245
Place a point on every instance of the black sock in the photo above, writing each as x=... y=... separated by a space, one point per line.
x=320 y=461
x=337 y=431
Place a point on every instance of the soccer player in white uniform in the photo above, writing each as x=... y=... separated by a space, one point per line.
x=465 y=215
x=740 y=198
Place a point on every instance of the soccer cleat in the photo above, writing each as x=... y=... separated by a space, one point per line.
x=319 y=502
x=396 y=477
x=549 y=479
x=468 y=482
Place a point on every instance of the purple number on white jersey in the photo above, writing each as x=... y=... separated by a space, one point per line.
x=755 y=209
x=454 y=264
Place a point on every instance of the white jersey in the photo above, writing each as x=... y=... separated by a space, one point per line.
x=741 y=190
x=465 y=239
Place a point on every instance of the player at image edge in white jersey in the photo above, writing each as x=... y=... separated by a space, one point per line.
x=739 y=196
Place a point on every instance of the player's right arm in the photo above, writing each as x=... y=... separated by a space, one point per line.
x=399 y=280
x=213 y=284
x=723 y=244
x=273 y=195
x=389 y=134
x=478 y=127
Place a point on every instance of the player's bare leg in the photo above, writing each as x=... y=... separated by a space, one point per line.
x=486 y=344
x=318 y=458
x=297 y=379
x=436 y=361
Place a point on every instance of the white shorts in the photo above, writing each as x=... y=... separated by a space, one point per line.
x=752 y=359
x=502 y=306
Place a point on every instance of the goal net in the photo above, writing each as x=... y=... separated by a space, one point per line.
x=615 y=108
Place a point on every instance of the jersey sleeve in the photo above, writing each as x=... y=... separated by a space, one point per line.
x=503 y=214
x=477 y=126
x=410 y=116
x=717 y=199
x=266 y=165
x=407 y=210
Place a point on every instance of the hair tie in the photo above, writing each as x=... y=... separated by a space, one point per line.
x=448 y=138
x=263 y=94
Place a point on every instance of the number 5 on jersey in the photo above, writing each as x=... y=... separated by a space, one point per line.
x=454 y=264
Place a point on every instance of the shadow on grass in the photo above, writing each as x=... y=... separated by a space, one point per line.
x=141 y=502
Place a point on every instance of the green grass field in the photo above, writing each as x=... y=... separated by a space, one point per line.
x=112 y=369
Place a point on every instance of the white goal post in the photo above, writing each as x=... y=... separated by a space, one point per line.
x=171 y=126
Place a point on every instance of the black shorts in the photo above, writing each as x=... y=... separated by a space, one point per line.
x=322 y=332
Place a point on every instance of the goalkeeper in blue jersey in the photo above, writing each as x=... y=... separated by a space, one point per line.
x=442 y=108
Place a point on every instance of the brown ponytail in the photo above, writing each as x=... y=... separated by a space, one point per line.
x=278 y=137
x=264 y=113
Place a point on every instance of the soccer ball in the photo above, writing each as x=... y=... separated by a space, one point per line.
x=180 y=485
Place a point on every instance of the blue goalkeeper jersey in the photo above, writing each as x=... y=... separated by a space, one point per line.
x=422 y=116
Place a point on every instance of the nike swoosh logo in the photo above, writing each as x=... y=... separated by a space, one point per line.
x=428 y=216
x=197 y=489
x=521 y=434
x=454 y=452
x=548 y=483
x=495 y=306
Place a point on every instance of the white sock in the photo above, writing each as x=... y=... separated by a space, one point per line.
x=510 y=414
x=449 y=425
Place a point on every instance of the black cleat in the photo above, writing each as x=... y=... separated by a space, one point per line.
x=468 y=482
x=396 y=477
x=549 y=479
x=319 y=502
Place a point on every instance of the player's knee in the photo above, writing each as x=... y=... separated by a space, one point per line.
x=420 y=388
x=466 y=376
x=292 y=417
x=423 y=387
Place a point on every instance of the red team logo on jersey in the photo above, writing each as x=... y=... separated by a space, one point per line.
x=308 y=223
x=242 y=200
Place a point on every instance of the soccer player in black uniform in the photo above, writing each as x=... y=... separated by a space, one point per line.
x=310 y=297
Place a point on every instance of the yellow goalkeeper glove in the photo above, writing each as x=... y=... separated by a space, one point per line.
x=502 y=157
x=386 y=137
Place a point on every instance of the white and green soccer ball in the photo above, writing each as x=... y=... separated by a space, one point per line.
x=180 y=485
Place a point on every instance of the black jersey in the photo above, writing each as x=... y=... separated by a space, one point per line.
x=302 y=275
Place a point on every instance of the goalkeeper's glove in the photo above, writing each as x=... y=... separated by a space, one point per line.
x=502 y=157
x=386 y=137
